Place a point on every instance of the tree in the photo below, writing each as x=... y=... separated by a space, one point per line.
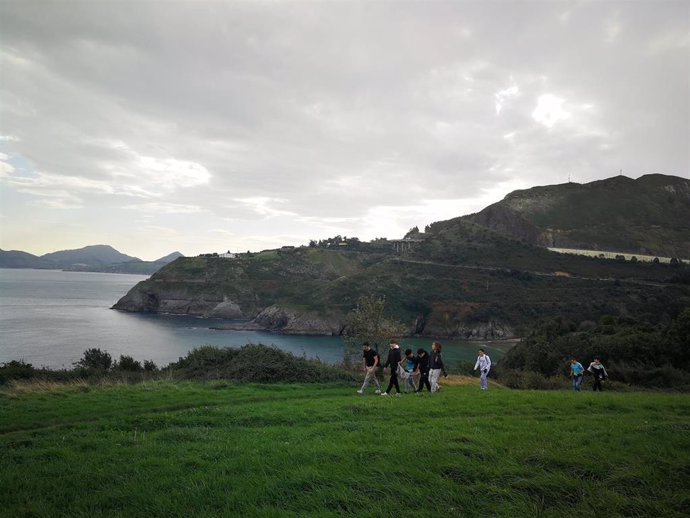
x=367 y=323
x=412 y=232
x=95 y=359
x=127 y=363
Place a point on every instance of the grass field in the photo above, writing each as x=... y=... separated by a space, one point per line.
x=218 y=449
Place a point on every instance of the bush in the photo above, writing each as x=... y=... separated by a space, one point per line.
x=16 y=370
x=95 y=359
x=665 y=376
x=127 y=363
x=150 y=366
x=464 y=367
x=255 y=364
x=633 y=351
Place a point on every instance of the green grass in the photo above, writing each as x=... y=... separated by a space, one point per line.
x=218 y=449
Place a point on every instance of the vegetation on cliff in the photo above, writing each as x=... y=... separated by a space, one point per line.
x=650 y=215
x=253 y=363
x=635 y=351
x=453 y=284
x=458 y=278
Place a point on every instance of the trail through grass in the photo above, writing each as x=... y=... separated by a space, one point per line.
x=218 y=449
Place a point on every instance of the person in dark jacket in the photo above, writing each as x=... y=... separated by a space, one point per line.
x=423 y=369
x=596 y=368
x=370 y=361
x=436 y=366
x=393 y=360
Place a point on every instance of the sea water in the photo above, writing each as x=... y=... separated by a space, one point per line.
x=50 y=317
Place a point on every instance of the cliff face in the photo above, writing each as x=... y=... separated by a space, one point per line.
x=293 y=322
x=260 y=287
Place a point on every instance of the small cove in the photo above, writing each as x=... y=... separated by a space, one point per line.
x=50 y=317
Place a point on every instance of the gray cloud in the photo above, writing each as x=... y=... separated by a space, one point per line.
x=246 y=124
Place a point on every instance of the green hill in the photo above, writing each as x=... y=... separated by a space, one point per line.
x=650 y=215
x=164 y=449
x=447 y=287
x=459 y=278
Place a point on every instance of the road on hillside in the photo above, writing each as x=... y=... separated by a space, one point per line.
x=540 y=274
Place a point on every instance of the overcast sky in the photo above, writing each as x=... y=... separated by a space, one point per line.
x=208 y=126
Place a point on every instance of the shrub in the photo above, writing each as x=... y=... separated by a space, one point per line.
x=14 y=370
x=95 y=359
x=256 y=364
x=150 y=366
x=127 y=363
x=464 y=367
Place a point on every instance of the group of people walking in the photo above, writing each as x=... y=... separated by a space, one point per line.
x=596 y=368
x=427 y=367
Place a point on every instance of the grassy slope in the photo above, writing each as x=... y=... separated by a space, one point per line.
x=618 y=213
x=452 y=267
x=188 y=449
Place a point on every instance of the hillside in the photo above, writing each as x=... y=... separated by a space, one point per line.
x=220 y=449
x=95 y=258
x=90 y=256
x=19 y=259
x=460 y=278
x=453 y=284
x=169 y=258
x=650 y=215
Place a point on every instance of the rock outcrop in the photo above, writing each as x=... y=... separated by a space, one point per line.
x=178 y=302
x=287 y=321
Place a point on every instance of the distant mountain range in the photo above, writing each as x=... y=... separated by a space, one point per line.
x=95 y=258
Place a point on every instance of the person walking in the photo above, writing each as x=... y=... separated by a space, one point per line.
x=407 y=371
x=392 y=361
x=423 y=369
x=577 y=372
x=484 y=366
x=436 y=366
x=370 y=361
x=599 y=373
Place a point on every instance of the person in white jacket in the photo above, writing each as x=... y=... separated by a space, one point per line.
x=484 y=366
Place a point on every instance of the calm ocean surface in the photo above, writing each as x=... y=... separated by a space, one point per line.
x=50 y=317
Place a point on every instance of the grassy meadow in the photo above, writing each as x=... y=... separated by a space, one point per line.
x=222 y=449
